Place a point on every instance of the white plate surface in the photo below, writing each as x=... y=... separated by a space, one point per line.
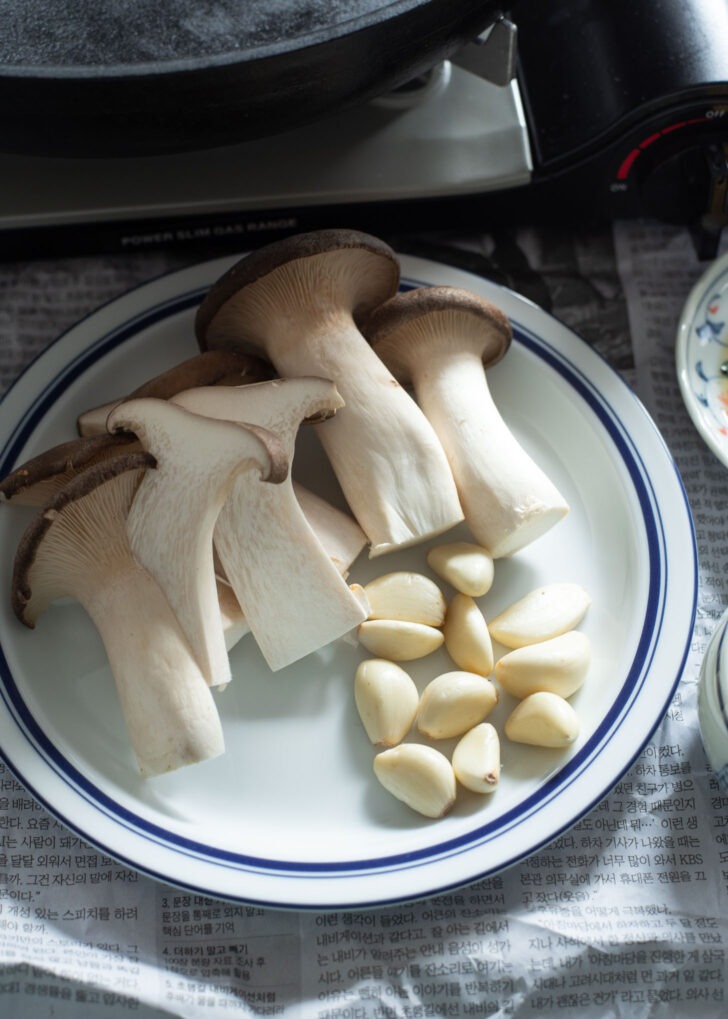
x=701 y=351
x=291 y=815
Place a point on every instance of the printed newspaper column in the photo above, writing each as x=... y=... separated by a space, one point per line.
x=215 y=956
x=75 y=927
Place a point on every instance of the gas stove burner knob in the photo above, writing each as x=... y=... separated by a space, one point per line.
x=690 y=186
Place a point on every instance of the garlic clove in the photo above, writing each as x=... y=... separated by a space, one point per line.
x=543 y=719
x=407 y=596
x=467 y=638
x=465 y=566
x=397 y=640
x=476 y=759
x=541 y=614
x=453 y=703
x=419 y=776
x=558 y=665
x=386 y=698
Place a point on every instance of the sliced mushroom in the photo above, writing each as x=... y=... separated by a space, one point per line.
x=296 y=302
x=441 y=340
x=77 y=547
x=213 y=367
x=234 y=624
x=173 y=517
x=337 y=530
x=292 y=595
x=34 y=482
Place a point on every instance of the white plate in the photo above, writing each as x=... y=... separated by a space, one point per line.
x=700 y=352
x=291 y=815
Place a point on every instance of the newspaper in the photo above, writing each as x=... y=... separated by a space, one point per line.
x=625 y=914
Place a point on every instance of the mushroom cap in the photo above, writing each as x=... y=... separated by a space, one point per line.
x=211 y=367
x=34 y=481
x=404 y=329
x=80 y=552
x=377 y=276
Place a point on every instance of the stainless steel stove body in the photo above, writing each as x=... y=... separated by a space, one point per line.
x=566 y=113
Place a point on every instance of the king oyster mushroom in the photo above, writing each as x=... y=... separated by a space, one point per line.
x=213 y=367
x=294 y=598
x=77 y=547
x=36 y=480
x=297 y=302
x=441 y=339
x=172 y=519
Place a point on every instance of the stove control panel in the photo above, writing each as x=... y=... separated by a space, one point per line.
x=628 y=109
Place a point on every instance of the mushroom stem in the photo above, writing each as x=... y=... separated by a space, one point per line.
x=507 y=499
x=386 y=457
x=78 y=547
x=168 y=708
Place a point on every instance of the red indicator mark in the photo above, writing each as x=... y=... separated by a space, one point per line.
x=648 y=141
x=676 y=127
x=626 y=166
x=628 y=162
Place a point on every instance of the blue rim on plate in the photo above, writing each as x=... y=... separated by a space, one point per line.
x=641 y=696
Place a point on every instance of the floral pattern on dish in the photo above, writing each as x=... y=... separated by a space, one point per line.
x=702 y=357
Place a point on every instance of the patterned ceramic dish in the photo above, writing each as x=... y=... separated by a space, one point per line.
x=713 y=702
x=702 y=357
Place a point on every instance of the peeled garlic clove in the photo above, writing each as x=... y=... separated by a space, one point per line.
x=453 y=703
x=544 y=613
x=386 y=698
x=466 y=636
x=419 y=776
x=406 y=595
x=398 y=640
x=543 y=719
x=476 y=759
x=467 y=567
x=558 y=665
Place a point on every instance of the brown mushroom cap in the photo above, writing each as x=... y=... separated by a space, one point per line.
x=376 y=271
x=83 y=485
x=210 y=368
x=405 y=328
x=36 y=480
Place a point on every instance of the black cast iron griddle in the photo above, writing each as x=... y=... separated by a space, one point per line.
x=116 y=77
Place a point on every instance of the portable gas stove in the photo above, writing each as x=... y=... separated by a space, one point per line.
x=396 y=117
